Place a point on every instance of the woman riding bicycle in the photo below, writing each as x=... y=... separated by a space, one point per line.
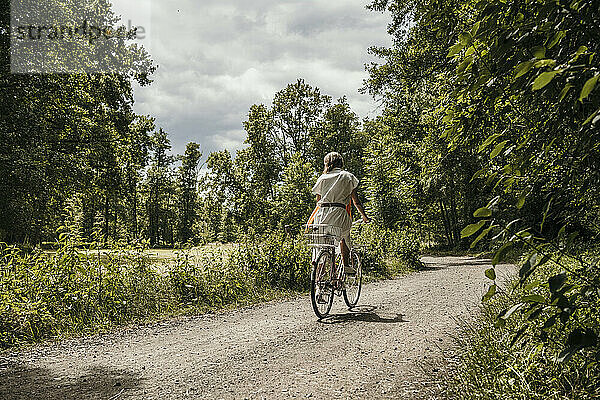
x=335 y=191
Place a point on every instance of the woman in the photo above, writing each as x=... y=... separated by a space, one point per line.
x=334 y=190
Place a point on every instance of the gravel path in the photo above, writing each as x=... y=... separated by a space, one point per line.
x=391 y=346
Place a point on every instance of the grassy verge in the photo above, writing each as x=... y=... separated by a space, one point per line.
x=522 y=354
x=70 y=292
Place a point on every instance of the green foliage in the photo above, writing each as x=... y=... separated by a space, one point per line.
x=73 y=290
x=66 y=135
x=295 y=201
x=515 y=87
x=380 y=246
x=187 y=193
x=521 y=354
x=45 y=295
x=266 y=186
x=159 y=191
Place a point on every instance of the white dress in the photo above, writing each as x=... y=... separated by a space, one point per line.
x=335 y=187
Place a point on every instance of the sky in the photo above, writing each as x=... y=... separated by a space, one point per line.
x=218 y=57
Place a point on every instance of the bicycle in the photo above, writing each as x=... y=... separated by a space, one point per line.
x=327 y=276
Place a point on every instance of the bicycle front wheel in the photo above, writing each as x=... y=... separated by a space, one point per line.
x=353 y=284
x=321 y=289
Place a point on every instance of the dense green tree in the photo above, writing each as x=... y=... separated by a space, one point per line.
x=133 y=159
x=187 y=192
x=62 y=136
x=159 y=192
x=262 y=158
x=297 y=112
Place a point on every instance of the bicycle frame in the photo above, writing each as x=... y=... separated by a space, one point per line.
x=325 y=283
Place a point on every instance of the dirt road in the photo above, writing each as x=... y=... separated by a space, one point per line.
x=391 y=346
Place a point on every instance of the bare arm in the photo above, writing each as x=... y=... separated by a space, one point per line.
x=359 y=207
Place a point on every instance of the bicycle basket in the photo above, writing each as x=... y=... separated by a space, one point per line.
x=322 y=235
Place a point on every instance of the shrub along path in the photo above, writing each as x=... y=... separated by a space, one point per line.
x=392 y=345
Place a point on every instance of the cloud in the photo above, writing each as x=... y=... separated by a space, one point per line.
x=218 y=57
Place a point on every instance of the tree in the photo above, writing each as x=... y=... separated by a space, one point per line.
x=62 y=135
x=297 y=112
x=187 y=189
x=159 y=188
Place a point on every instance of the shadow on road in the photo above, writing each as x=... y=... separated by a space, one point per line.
x=431 y=267
x=21 y=382
x=451 y=263
x=364 y=313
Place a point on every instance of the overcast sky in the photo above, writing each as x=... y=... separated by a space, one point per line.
x=218 y=57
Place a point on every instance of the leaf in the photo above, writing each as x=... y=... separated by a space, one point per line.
x=499 y=147
x=475 y=28
x=524 y=234
x=493 y=202
x=550 y=322
x=535 y=314
x=545 y=63
x=566 y=355
x=523 y=68
x=545 y=215
x=578 y=339
x=543 y=79
x=462 y=67
x=542 y=261
x=518 y=335
x=571 y=239
x=539 y=52
x=483 y=212
x=490 y=293
x=500 y=253
x=491 y=178
x=478 y=174
x=454 y=50
x=561 y=231
x=522 y=198
x=558 y=36
x=465 y=38
x=481 y=236
x=490 y=139
x=491 y=274
x=564 y=92
x=472 y=229
x=556 y=282
x=588 y=87
x=511 y=310
x=532 y=285
x=594 y=118
x=533 y=298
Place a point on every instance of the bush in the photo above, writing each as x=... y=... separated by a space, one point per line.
x=379 y=246
x=519 y=356
x=45 y=295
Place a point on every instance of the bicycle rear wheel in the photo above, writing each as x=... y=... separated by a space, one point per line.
x=321 y=289
x=353 y=284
